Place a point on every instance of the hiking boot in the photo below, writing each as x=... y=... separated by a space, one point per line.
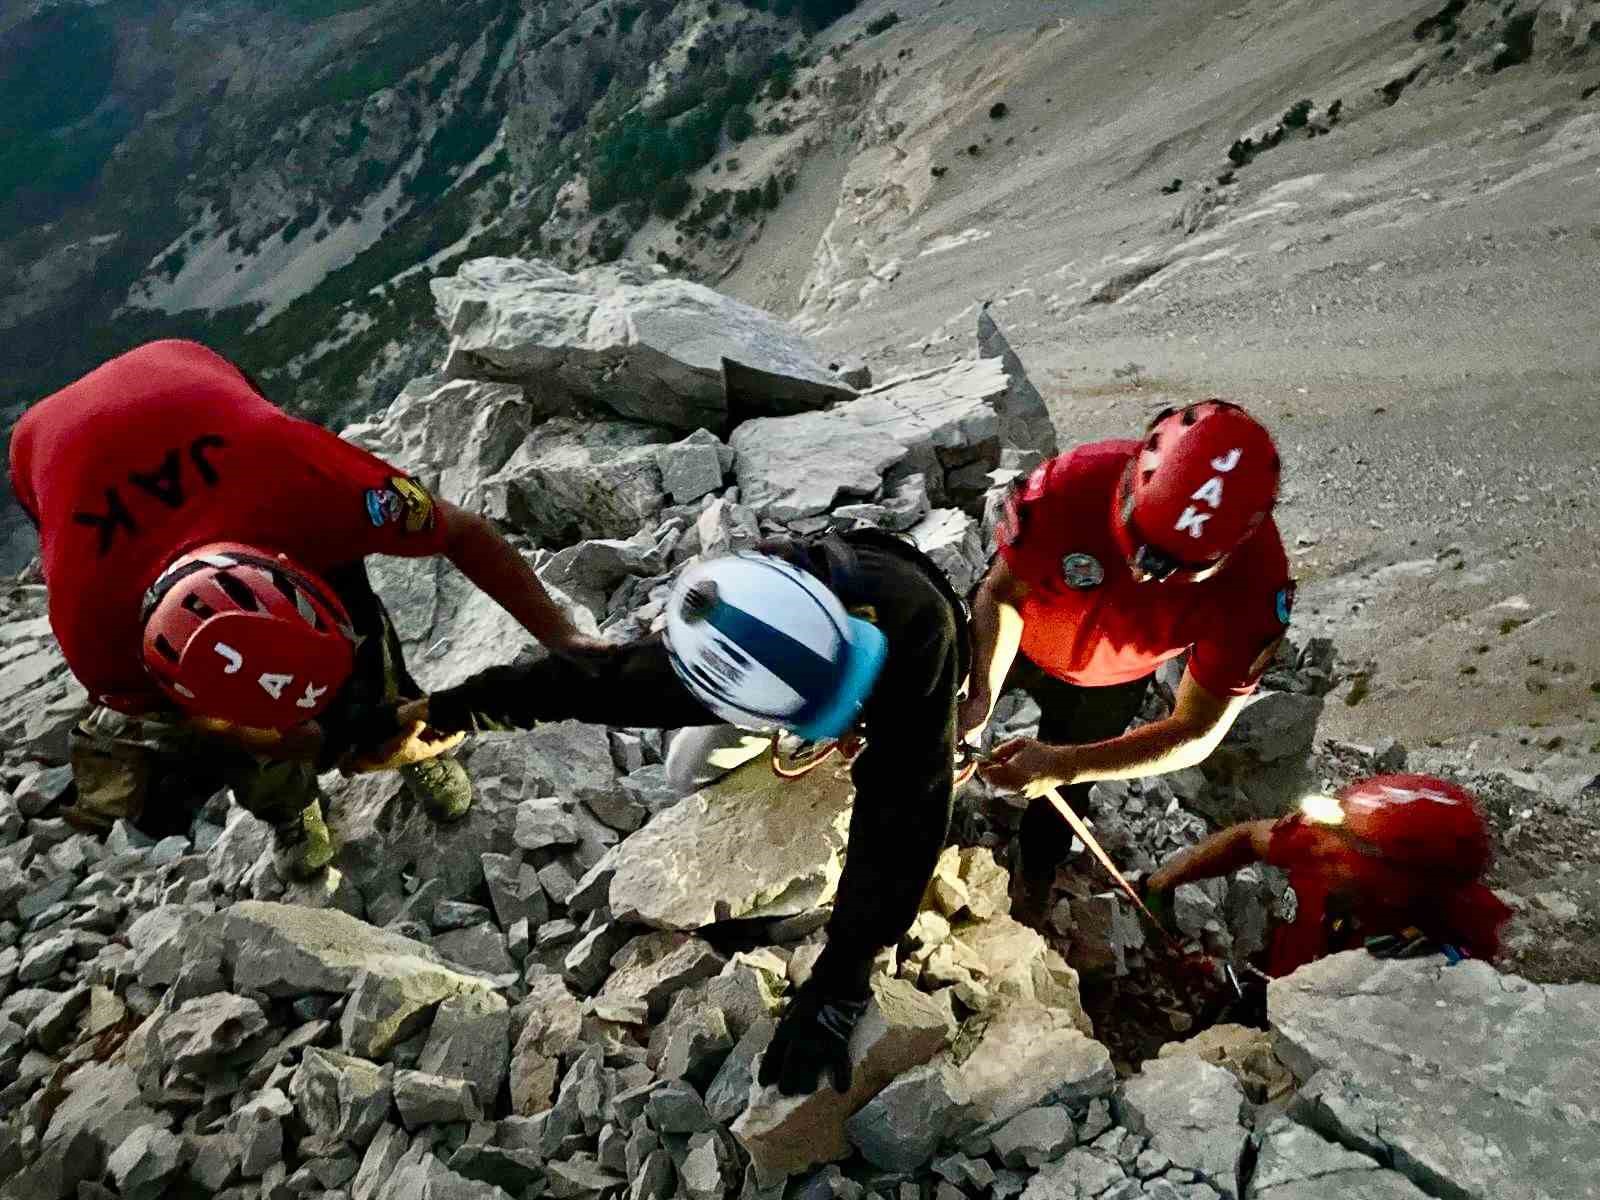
x=441 y=785
x=301 y=846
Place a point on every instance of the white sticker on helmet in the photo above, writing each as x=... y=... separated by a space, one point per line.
x=1192 y=522
x=313 y=694
x=234 y=659
x=274 y=685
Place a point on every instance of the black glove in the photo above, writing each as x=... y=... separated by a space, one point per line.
x=1411 y=943
x=812 y=1039
x=357 y=728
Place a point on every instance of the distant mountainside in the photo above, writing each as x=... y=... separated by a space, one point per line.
x=281 y=178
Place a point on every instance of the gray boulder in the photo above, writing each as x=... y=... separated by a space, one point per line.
x=577 y=479
x=471 y=1039
x=207 y=1033
x=383 y=835
x=706 y=837
x=1034 y=1137
x=1447 y=1101
x=953 y=540
x=424 y=1099
x=1024 y=419
x=1261 y=769
x=901 y=1127
x=1296 y=1163
x=654 y=967
x=1192 y=1113
x=340 y=1097
x=449 y=628
x=146 y=1162
x=660 y=350
x=449 y=434
x=514 y=891
x=694 y=467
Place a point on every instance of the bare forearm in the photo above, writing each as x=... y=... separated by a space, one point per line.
x=1220 y=854
x=493 y=564
x=1153 y=749
x=996 y=635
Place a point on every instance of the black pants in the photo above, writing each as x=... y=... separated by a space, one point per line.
x=1070 y=715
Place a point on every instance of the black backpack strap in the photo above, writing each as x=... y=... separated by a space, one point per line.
x=832 y=557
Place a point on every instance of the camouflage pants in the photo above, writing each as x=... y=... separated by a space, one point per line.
x=153 y=771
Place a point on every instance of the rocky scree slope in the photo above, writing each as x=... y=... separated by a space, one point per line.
x=567 y=994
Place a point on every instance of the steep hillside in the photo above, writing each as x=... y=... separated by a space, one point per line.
x=1406 y=285
x=282 y=179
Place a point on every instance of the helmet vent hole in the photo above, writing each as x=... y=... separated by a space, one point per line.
x=699 y=601
x=296 y=597
x=1190 y=416
x=198 y=607
x=164 y=648
x=1149 y=475
x=1154 y=443
x=237 y=591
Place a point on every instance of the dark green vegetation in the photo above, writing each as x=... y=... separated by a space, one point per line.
x=60 y=170
x=57 y=137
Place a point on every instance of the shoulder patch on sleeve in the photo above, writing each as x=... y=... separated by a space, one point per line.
x=401 y=501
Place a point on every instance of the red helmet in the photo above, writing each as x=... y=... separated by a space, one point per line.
x=240 y=635
x=1419 y=822
x=1202 y=481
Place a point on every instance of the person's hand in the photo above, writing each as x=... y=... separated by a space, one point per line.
x=812 y=1040
x=972 y=714
x=586 y=651
x=1159 y=901
x=1028 y=766
x=415 y=743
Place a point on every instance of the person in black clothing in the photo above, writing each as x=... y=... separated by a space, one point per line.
x=849 y=632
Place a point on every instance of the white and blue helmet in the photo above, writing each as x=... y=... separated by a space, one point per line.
x=763 y=644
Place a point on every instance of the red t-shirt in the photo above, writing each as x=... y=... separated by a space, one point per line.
x=1344 y=895
x=169 y=447
x=1087 y=621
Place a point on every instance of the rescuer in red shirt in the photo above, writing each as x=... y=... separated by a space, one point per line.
x=1114 y=558
x=1394 y=863
x=202 y=552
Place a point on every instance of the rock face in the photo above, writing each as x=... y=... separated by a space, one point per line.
x=448 y=628
x=690 y=867
x=652 y=349
x=902 y=1029
x=1024 y=419
x=578 y=479
x=1468 y=1080
x=1192 y=1113
x=40 y=700
x=1261 y=769
x=943 y=424
x=282 y=950
x=1296 y=1163
x=450 y=434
